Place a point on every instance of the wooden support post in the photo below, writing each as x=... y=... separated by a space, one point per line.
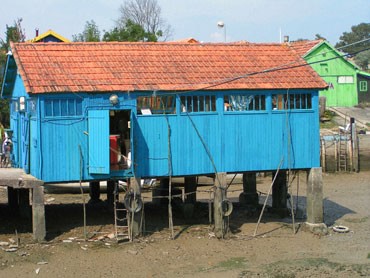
x=355 y=148
x=315 y=210
x=160 y=193
x=190 y=187
x=280 y=191
x=135 y=218
x=110 y=192
x=280 y=194
x=323 y=155
x=221 y=227
x=38 y=213
x=249 y=195
x=94 y=192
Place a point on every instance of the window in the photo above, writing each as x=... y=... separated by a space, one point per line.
x=193 y=104
x=291 y=101
x=324 y=67
x=63 y=107
x=345 y=79
x=363 y=86
x=245 y=103
x=156 y=105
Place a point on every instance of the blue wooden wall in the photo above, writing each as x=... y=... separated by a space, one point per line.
x=73 y=147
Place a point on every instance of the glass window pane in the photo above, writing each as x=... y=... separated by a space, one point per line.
x=78 y=107
x=64 y=107
x=48 y=108
x=71 y=107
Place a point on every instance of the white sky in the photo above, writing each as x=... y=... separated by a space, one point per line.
x=250 y=20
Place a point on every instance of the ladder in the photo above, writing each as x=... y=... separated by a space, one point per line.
x=121 y=221
x=342 y=153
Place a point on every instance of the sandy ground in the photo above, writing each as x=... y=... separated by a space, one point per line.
x=276 y=251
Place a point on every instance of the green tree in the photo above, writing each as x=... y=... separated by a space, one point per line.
x=363 y=60
x=91 y=33
x=319 y=37
x=130 y=32
x=348 y=43
x=14 y=33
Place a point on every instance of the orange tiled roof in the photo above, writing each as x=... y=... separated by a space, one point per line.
x=117 y=66
x=188 y=40
x=303 y=47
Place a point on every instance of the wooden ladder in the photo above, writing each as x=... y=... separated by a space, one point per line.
x=121 y=222
x=342 y=155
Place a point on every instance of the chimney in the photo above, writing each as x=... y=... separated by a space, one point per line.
x=37 y=32
x=286 y=39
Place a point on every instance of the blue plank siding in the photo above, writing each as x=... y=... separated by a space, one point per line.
x=200 y=143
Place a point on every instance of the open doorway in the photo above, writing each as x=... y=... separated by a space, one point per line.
x=119 y=139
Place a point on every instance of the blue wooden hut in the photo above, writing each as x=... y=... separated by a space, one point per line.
x=102 y=111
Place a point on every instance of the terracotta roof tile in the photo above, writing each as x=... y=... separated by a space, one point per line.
x=303 y=47
x=106 y=67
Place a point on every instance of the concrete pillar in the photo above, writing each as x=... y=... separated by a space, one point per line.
x=38 y=213
x=249 y=195
x=94 y=192
x=315 y=211
x=221 y=227
x=315 y=202
x=136 y=217
x=279 y=190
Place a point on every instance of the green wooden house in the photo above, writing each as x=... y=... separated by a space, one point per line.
x=363 y=87
x=336 y=70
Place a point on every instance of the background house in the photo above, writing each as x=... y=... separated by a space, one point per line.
x=336 y=70
x=363 y=87
x=48 y=36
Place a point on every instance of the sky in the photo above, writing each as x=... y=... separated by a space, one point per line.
x=247 y=20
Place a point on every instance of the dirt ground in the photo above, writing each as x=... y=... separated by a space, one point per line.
x=276 y=251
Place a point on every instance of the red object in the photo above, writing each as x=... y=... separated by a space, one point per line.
x=115 y=151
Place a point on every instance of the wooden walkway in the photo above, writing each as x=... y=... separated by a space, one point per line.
x=16 y=180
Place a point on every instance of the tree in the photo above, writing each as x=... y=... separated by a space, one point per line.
x=14 y=33
x=91 y=33
x=319 y=37
x=131 y=32
x=355 y=42
x=147 y=14
x=363 y=60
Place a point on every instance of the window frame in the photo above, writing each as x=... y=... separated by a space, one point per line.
x=291 y=101
x=204 y=103
x=345 y=79
x=363 y=86
x=154 y=105
x=245 y=103
x=62 y=107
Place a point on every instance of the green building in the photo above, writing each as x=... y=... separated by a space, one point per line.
x=336 y=70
